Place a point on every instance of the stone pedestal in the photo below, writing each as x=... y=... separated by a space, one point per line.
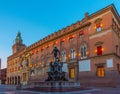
x=56 y=84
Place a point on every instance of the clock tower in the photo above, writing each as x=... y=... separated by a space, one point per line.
x=18 y=45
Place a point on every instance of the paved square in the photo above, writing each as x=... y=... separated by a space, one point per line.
x=105 y=90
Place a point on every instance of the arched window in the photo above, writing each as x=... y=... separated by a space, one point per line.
x=42 y=60
x=63 y=56
x=42 y=51
x=47 y=60
x=72 y=54
x=83 y=51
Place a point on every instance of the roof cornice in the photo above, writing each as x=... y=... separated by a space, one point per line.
x=108 y=8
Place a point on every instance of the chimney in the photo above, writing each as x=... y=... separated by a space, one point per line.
x=86 y=15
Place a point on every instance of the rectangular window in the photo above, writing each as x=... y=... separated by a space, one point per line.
x=100 y=71
x=42 y=51
x=98 y=27
x=62 y=43
x=99 y=50
x=71 y=39
x=72 y=73
x=81 y=34
x=47 y=60
x=48 y=49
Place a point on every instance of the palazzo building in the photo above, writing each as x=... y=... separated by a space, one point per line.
x=2 y=75
x=90 y=52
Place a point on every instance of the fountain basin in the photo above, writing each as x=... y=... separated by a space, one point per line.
x=56 y=84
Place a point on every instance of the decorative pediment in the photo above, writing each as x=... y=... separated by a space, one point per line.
x=26 y=55
x=98 y=20
x=99 y=43
x=100 y=64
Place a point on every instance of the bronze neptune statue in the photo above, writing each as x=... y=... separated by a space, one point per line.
x=55 y=72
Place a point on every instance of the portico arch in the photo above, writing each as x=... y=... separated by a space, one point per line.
x=15 y=80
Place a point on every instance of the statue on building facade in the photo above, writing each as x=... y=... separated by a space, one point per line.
x=26 y=63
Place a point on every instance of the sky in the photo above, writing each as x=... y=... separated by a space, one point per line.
x=36 y=19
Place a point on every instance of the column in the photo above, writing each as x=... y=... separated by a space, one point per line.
x=10 y=81
x=13 y=80
x=7 y=80
x=17 y=80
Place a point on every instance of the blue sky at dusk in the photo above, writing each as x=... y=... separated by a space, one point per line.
x=36 y=19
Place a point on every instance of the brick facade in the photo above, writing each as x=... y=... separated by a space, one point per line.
x=3 y=73
x=90 y=51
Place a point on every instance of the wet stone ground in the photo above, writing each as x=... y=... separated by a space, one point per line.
x=106 y=90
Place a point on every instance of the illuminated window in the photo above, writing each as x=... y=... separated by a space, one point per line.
x=42 y=51
x=72 y=54
x=47 y=60
x=24 y=77
x=83 y=51
x=81 y=34
x=99 y=50
x=63 y=55
x=100 y=71
x=54 y=45
x=37 y=58
x=72 y=73
x=48 y=49
x=98 y=27
x=71 y=39
x=62 y=42
x=42 y=60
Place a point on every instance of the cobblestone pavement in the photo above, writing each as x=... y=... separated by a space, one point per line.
x=108 y=90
